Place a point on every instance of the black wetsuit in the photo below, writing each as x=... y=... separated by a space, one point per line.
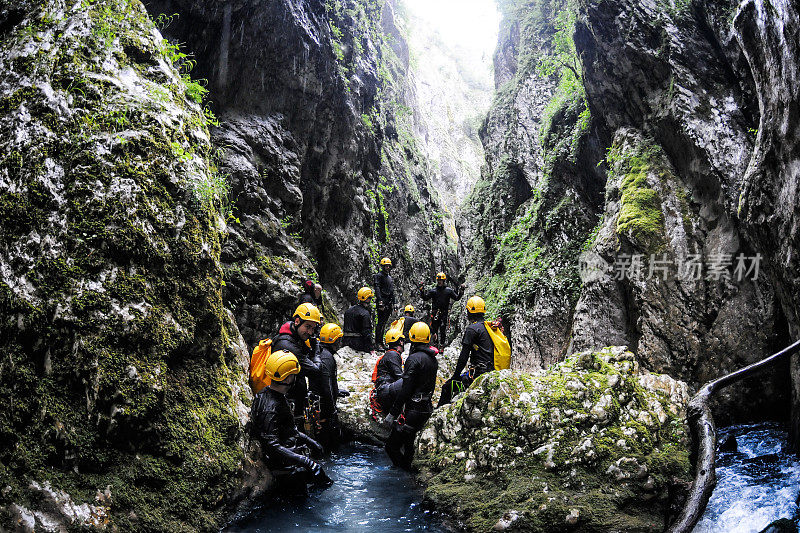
x=440 y=307
x=358 y=328
x=273 y=425
x=287 y=339
x=384 y=303
x=307 y=298
x=414 y=401
x=477 y=348
x=407 y=323
x=326 y=386
x=389 y=378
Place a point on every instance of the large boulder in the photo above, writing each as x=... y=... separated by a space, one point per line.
x=596 y=443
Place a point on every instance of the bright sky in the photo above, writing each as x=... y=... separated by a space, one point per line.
x=472 y=24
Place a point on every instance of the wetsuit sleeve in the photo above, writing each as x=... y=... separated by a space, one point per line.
x=426 y=294
x=366 y=326
x=327 y=396
x=456 y=294
x=466 y=348
x=310 y=365
x=266 y=420
x=409 y=384
x=395 y=367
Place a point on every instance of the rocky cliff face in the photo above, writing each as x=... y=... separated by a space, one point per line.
x=326 y=174
x=679 y=122
x=121 y=384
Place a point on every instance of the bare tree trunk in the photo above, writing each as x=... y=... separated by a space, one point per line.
x=704 y=437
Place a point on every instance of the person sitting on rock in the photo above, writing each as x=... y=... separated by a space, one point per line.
x=297 y=337
x=440 y=306
x=358 y=323
x=388 y=371
x=273 y=424
x=408 y=320
x=476 y=347
x=384 y=297
x=327 y=387
x=414 y=398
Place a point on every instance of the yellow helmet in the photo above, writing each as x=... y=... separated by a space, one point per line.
x=441 y=275
x=307 y=312
x=386 y=261
x=364 y=294
x=281 y=364
x=393 y=335
x=419 y=332
x=476 y=305
x=409 y=309
x=330 y=333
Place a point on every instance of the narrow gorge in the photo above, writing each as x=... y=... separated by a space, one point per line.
x=623 y=194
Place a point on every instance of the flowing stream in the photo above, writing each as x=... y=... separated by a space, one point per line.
x=368 y=494
x=756 y=485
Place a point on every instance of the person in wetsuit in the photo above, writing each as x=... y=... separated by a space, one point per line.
x=358 y=323
x=384 y=298
x=440 y=306
x=389 y=370
x=477 y=348
x=414 y=398
x=408 y=320
x=312 y=294
x=297 y=337
x=273 y=424
x=327 y=387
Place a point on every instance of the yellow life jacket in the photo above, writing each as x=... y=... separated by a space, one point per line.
x=502 y=349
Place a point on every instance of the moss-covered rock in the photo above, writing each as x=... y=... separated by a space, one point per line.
x=594 y=444
x=121 y=383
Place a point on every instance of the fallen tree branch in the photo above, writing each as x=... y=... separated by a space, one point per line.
x=704 y=434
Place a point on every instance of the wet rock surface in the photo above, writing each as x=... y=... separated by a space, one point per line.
x=595 y=443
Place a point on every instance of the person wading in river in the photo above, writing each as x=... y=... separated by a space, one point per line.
x=327 y=388
x=384 y=298
x=358 y=323
x=273 y=424
x=477 y=347
x=388 y=371
x=414 y=398
x=297 y=337
x=440 y=306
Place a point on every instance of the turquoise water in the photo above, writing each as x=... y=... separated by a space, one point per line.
x=368 y=494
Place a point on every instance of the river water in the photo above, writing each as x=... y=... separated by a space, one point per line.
x=368 y=495
x=756 y=485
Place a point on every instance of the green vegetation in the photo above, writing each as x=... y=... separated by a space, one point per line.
x=640 y=215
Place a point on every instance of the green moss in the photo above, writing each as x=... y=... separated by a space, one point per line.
x=640 y=216
x=521 y=480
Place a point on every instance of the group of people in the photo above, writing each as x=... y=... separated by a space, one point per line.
x=358 y=330
x=295 y=415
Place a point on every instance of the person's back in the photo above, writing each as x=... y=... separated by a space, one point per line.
x=477 y=338
x=389 y=367
x=358 y=323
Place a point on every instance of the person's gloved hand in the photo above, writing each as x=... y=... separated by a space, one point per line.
x=389 y=420
x=316 y=447
x=321 y=478
x=344 y=393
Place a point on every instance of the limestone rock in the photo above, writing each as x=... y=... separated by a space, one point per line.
x=569 y=468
